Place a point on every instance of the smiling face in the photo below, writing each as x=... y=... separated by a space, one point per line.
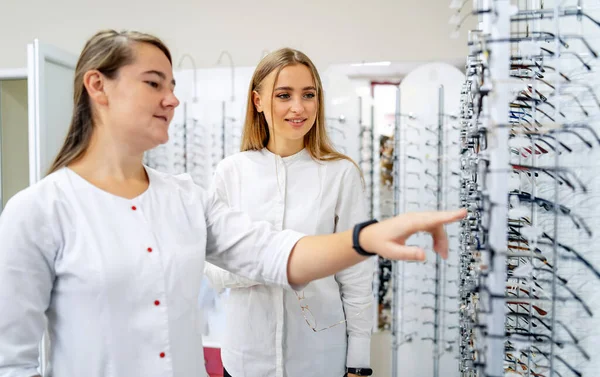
x=290 y=105
x=140 y=102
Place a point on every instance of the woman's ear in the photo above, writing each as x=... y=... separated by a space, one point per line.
x=94 y=83
x=257 y=101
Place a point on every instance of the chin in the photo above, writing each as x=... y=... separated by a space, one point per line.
x=162 y=141
x=295 y=133
x=295 y=136
x=157 y=140
x=161 y=136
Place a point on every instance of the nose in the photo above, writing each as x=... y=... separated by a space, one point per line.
x=297 y=106
x=171 y=100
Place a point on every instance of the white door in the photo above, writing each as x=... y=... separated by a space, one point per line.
x=50 y=74
x=50 y=89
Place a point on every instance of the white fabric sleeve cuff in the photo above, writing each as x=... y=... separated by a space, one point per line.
x=359 y=353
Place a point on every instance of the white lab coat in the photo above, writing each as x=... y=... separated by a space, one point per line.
x=267 y=335
x=119 y=279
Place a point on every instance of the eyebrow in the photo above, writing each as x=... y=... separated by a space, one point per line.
x=290 y=88
x=159 y=74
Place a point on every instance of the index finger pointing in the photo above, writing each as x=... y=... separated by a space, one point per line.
x=424 y=221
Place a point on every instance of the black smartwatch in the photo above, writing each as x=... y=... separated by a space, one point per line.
x=360 y=371
x=356 y=244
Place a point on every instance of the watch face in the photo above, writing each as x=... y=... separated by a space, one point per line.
x=361 y=371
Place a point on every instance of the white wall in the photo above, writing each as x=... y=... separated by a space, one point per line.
x=330 y=31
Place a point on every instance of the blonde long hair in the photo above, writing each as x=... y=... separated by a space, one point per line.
x=255 y=135
x=106 y=51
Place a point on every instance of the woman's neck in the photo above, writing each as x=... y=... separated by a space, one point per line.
x=112 y=167
x=284 y=147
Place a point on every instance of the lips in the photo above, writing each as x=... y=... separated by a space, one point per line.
x=164 y=118
x=296 y=122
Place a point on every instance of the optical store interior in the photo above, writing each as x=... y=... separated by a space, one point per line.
x=488 y=105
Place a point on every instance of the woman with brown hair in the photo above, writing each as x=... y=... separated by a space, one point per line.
x=109 y=253
x=289 y=175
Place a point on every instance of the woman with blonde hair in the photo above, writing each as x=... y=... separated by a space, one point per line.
x=289 y=175
x=108 y=254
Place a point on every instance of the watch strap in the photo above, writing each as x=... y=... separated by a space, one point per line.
x=355 y=235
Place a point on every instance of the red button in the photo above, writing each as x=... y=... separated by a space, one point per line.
x=149 y=249
x=162 y=354
x=133 y=208
x=156 y=302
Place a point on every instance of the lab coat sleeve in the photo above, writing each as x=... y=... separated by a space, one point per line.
x=356 y=282
x=218 y=277
x=255 y=251
x=28 y=246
